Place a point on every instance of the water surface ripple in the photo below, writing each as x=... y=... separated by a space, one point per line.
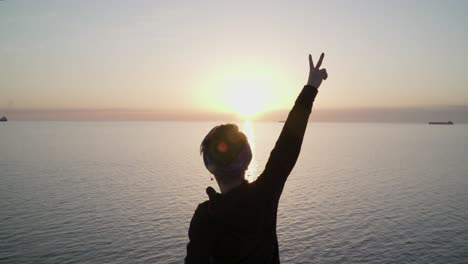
x=116 y=192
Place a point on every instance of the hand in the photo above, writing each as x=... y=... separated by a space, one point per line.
x=316 y=75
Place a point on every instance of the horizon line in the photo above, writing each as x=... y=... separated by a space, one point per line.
x=455 y=113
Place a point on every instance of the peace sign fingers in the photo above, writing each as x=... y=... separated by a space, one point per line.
x=316 y=75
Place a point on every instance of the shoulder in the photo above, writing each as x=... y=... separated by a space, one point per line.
x=200 y=219
x=200 y=213
x=203 y=207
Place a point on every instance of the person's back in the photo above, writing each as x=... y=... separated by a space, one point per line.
x=239 y=225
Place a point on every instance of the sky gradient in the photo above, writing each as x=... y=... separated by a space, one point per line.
x=146 y=60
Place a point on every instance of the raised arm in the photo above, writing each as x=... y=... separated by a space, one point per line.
x=284 y=155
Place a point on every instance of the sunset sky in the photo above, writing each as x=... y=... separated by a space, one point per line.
x=218 y=59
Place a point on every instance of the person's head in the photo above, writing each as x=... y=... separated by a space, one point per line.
x=226 y=153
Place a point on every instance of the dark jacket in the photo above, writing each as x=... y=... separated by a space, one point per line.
x=240 y=226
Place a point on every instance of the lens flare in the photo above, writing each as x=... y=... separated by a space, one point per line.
x=222 y=147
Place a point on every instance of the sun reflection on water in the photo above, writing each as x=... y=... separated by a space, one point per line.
x=251 y=174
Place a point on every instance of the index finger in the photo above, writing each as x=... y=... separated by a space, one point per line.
x=319 y=63
x=311 y=63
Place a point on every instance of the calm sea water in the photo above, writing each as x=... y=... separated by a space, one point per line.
x=111 y=192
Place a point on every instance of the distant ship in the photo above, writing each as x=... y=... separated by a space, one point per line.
x=441 y=123
x=3 y=119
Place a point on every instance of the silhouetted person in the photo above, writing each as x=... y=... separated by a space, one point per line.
x=238 y=225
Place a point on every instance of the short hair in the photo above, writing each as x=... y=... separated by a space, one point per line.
x=223 y=144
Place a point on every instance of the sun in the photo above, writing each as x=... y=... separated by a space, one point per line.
x=246 y=91
x=248 y=100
